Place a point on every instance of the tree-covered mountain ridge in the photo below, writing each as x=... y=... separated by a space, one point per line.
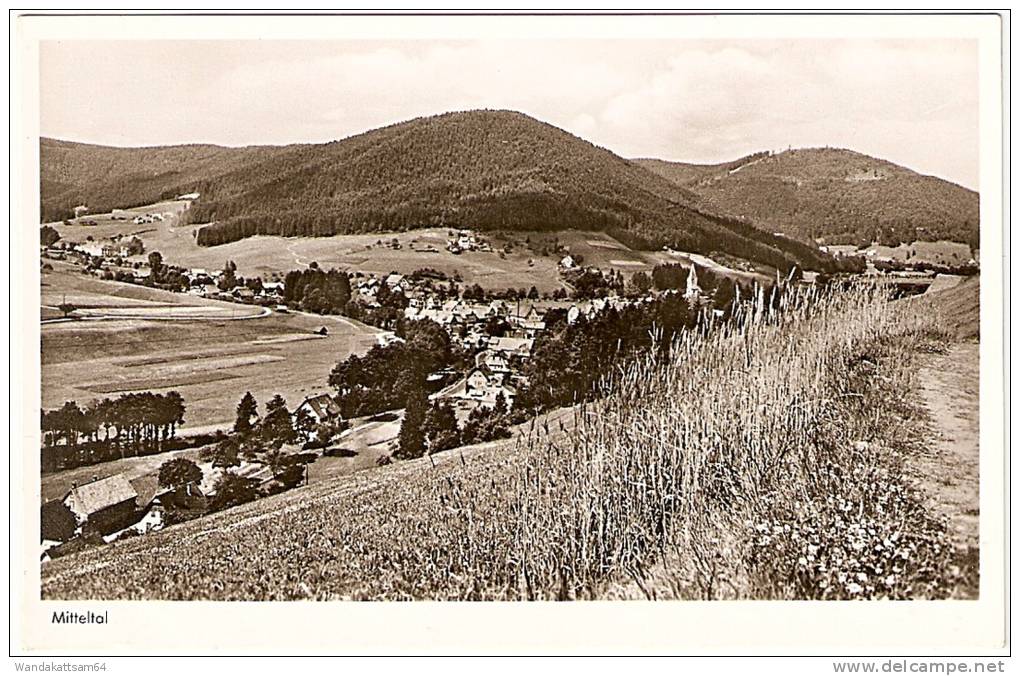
x=835 y=195
x=479 y=169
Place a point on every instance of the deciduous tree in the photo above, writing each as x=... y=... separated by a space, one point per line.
x=179 y=472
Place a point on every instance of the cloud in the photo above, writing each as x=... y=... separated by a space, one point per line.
x=705 y=101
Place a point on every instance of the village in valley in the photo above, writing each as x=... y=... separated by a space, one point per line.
x=319 y=321
x=118 y=468
x=487 y=339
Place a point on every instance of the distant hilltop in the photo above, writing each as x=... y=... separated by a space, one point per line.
x=832 y=195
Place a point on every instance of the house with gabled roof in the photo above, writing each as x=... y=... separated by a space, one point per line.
x=395 y=282
x=484 y=386
x=103 y=505
x=494 y=361
x=531 y=329
x=498 y=308
x=321 y=408
x=511 y=347
x=451 y=305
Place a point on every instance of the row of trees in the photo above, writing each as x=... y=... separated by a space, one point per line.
x=136 y=423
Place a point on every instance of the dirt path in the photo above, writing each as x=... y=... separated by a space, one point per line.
x=948 y=471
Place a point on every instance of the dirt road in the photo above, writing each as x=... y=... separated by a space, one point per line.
x=948 y=471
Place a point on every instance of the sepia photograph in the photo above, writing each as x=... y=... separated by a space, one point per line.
x=374 y=317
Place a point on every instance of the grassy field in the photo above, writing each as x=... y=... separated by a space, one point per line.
x=938 y=253
x=268 y=256
x=210 y=360
x=760 y=461
x=95 y=298
x=107 y=227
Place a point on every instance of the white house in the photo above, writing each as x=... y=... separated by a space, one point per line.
x=395 y=282
x=273 y=288
x=91 y=248
x=320 y=408
x=483 y=387
x=494 y=361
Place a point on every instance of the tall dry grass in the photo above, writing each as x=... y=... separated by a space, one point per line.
x=685 y=450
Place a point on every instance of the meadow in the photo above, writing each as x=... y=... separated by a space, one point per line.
x=95 y=298
x=939 y=253
x=212 y=352
x=267 y=256
x=760 y=460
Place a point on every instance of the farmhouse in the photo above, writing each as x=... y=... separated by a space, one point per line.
x=103 y=505
x=320 y=408
x=839 y=250
x=531 y=329
x=113 y=250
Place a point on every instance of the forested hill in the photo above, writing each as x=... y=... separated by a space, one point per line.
x=107 y=178
x=480 y=169
x=839 y=195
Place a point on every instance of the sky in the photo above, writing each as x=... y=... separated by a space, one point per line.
x=913 y=102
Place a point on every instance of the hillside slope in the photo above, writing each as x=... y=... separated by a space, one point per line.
x=588 y=497
x=841 y=196
x=480 y=169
